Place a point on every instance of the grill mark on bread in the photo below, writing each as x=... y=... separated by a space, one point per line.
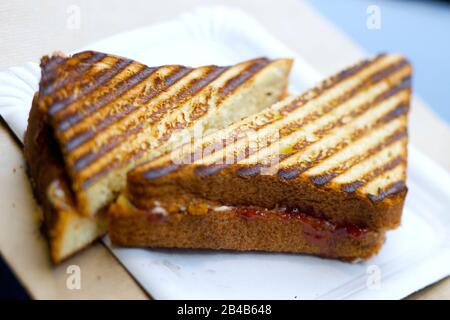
x=169 y=81
x=392 y=189
x=294 y=172
x=399 y=110
x=341 y=168
x=329 y=84
x=50 y=64
x=354 y=185
x=208 y=170
x=135 y=96
x=389 y=115
x=90 y=200
x=84 y=160
x=84 y=136
x=161 y=171
x=199 y=83
x=404 y=84
x=105 y=99
x=352 y=114
x=80 y=66
x=51 y=70
x=291 y=173
x=294 y=126
x=250 y=171
x=189 y=90
x=109 y=166
x=370 y=80
x=235 y=82
x=192 y=90
x=99 y=80
x=105 y=122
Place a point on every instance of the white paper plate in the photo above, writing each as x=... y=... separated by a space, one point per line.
x=414 y=256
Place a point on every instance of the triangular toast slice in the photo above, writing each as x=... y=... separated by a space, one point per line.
x=66 y=229
x=333 y=157
x=107 y=114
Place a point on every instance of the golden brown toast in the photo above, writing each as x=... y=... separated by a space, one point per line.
x=107 y=114
x=335 y=153
x=240 y=228
x=66 y=229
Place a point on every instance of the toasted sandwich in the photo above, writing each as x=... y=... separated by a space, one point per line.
x=322 y=173
x=102 y=115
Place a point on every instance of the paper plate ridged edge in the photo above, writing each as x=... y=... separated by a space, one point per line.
x=17 y=87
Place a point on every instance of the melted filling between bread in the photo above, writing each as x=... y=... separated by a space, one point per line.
x=319 y=232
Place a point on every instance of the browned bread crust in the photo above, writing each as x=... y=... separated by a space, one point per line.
x=242 y=229
x=97 y=115
x=66 y=230
x=341 y=163
x=350 y=168
x=109 y=113
x=267 y=191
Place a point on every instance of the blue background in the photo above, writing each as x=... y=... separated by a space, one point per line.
x=418 y=29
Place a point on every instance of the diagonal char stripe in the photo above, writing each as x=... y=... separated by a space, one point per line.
x=106 y=122
x=169 y=82
x=322 y=179
x=349 y=95
x=107 y=98
x=188 y=91
x=404 y=84
x=79 y=70
x=198 y=84
x=58 y=67
x=329 y=84
x=362 y=140
x=54 y=62
x=90 y=87
x=90 y=133
x=371 y=80
x=161 y=171
x=390 y=70
x=291 y=173
x=249 y=72
x=401 y=109
x=351 y=187
x=276 y=114
x=152 y=84
x=393 y=188
x=238 y=80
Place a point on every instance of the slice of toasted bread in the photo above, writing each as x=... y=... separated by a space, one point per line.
x=67 y=231
x=335 y=153
x=104 y=114
x=110 y=113
x=239 y=228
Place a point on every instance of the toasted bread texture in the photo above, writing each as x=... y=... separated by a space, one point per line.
x=109 y=113
x=337 y=153
x=97 y=115
x=67 y=231
x=241 y=229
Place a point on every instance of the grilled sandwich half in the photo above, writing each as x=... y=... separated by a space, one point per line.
x=321 y=173
x=105 y=114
